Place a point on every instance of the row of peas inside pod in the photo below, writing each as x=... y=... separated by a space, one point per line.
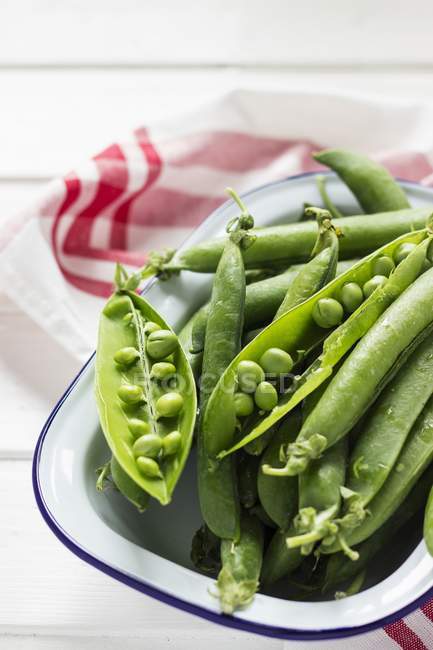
x=149 y=446
x=145 y=392
x=256 y=381
x=329 y=312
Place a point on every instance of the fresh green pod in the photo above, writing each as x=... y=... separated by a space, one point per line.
x=241 y=561
x=388 y=424
x=247 y=470
x=129 y=488
x=415 y=457
x=428 y=523
x=297 y=330
x=217 y=487
x=279 y=561
x=391 y=339
x=262 y=299
x=124 y=420
x=373 y=186
x=319 y=499
x=279 y=496
x=341 y=569
x=320 y=270
x=292 y=243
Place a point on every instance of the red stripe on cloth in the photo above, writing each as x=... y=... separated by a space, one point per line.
x=402 y=634
x=231 y=151
x=118 y=237
x=427 y=609
x=161 y=207
x=95 y=287
x=113 y=178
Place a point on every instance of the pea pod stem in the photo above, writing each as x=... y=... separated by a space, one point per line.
x=317 y=525
x=329 y=205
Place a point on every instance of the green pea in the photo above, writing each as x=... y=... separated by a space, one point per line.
x=138 y=427
x=276 y=361
x=403 y=251
x=244 y=405
x=126 y=356
x=266 y=397
x=128 y=318
x=162 y=370
x=169 y=405
x=383 y=265
x=351 y=296
x=372 y=284
x=117 y=306
x=161 y=343
x=148 y=467
x=130 y=393
x=250 y=374
x=148 y=445
x=171 y=443
x=327 y=312
x=150 y=327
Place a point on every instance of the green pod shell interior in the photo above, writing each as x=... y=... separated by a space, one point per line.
x=117 y=332
x=297 y=330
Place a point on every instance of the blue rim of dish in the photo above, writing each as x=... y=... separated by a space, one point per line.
x=289 y=634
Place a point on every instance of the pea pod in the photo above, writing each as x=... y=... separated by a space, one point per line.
x=415 y=457
x=217 y=480
x=241 y=561
x=127 y=397
x=126 y=486
x=387 y=427
x=279 y=496
x=292 y=243
x=279 y=561
x=319 y=499
x=262 y=299
x=391 y=339
x=297 y=330
x=373 y=186
x=320 y=270
x=341 y=568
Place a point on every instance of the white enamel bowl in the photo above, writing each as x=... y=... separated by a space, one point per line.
x=150 y=552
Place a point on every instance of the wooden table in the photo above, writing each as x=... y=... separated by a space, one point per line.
x=73 y=77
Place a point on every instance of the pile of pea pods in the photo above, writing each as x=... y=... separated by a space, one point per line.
x=305 y=384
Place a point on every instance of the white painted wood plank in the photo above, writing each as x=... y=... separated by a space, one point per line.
x=34 y=372
x=45 y=590
x=74 y=113
x=163 y=641
x=216 y=31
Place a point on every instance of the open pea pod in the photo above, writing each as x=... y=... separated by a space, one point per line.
x=297 y=330
x=145 y=393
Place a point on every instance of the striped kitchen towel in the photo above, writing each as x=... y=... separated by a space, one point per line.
x=57 y=256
